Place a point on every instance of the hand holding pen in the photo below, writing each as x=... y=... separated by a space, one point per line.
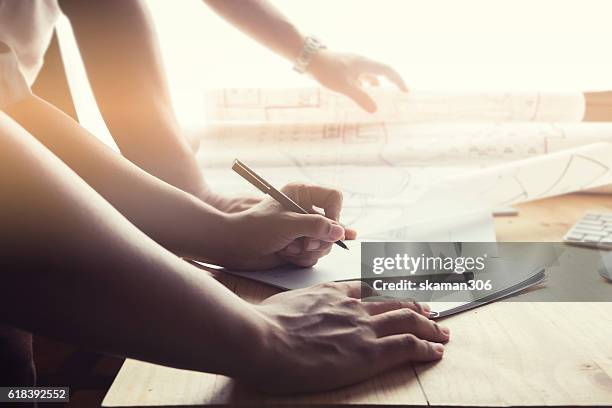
x=305 y=235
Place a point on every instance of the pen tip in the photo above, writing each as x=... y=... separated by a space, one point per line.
x=342 y=244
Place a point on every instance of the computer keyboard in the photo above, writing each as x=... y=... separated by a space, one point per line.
x=592 y=230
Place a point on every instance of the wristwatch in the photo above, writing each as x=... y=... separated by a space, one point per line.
x=312 y=46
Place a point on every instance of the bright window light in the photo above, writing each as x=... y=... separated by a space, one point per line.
x=508 y=45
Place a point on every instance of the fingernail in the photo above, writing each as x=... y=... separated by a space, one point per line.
x=438 y=348
x=425 y=307
x=445 y=330
x=313 y=244
x=294 y=249
x=336 y=232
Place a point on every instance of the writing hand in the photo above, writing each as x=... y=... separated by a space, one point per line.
x=267 y=235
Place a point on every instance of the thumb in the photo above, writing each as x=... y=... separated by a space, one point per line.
x=361 y=98
x=315 y=226
x=350 y=233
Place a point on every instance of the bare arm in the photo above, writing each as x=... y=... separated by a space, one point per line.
x=73 y=268
x=260 y=20
x=178 y=220
x=341 y=72
x=175 y=219
x=119 y=47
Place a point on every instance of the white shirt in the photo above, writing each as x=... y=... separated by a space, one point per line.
x=26 y=27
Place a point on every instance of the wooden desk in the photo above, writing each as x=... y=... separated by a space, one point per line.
x=542 y=354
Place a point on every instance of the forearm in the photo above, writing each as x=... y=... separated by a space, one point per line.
x=132 y=92
x=156 y=145
x=260 y=20
x=172 y=217
x=73 y=268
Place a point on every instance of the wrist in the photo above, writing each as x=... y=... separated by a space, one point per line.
x=239 y=321
x=292 y=41
x=206 y=236
x=318 y=63
x=311 y=47
x=220 y=202
x=228 y=248
x=261 y=358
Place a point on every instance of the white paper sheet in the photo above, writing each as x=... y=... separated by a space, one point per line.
x=512 y=183
x=341 y=264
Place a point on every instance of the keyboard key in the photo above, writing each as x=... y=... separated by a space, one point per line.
x=586 y=231
x=590 y=225
x=574 y=237
x=592 y=230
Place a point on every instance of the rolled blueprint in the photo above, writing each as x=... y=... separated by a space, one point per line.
x=511 y=183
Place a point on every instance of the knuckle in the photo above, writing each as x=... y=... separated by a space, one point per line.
x=293 y=186
x=289 y=217
x=409 y=316
x=394 y=304
x=302 y=186
x=321 y=224
x=342 y=318
x=436 y=329
x=429 y=348
x=416 y=306
x=366 y=322
x=410 y=341
x=335 y=195
x=330 y=286
x=349 y=286
x=367 y=351
x=321 y=220
x=352 y=303
x=361 y=325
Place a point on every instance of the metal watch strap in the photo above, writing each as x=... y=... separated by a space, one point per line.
x=311 y=47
